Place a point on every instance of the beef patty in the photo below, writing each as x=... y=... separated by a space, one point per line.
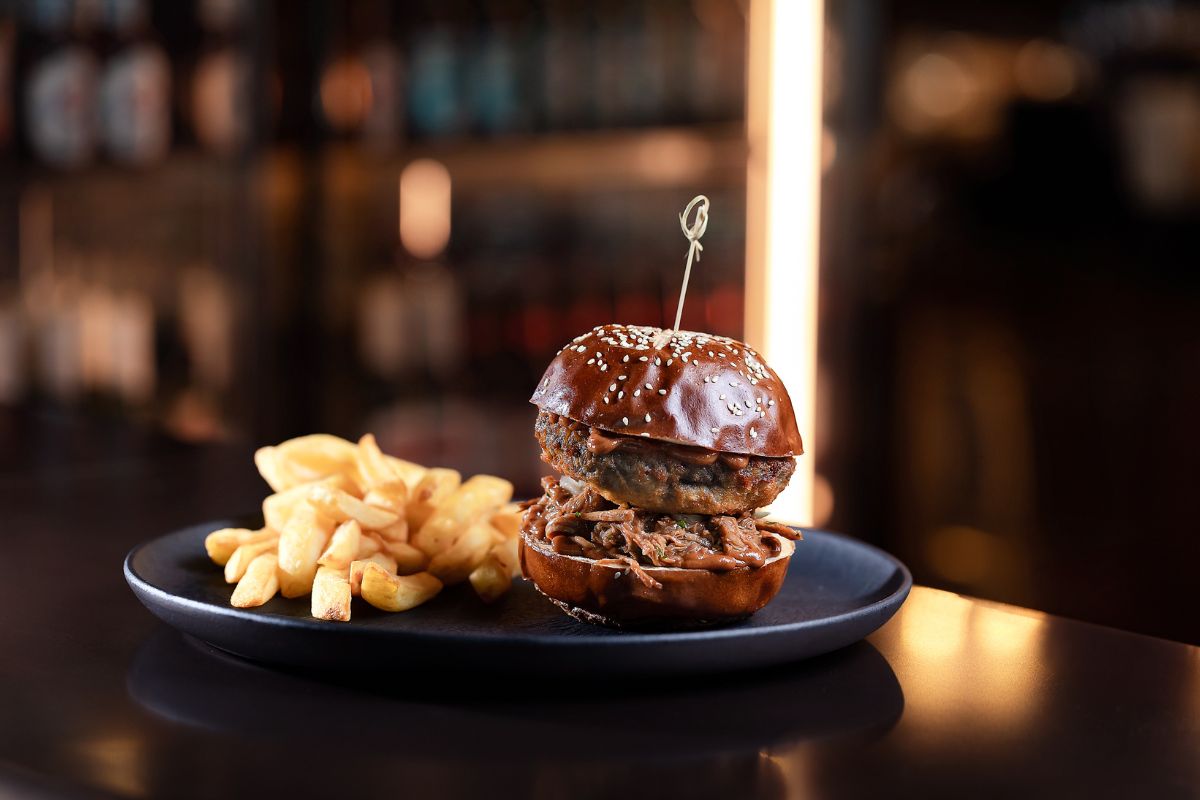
x=660 y=476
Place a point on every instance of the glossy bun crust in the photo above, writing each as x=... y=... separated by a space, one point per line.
x=607 y=594
x=683 y=387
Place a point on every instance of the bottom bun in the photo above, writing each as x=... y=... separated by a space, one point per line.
x=610 y=595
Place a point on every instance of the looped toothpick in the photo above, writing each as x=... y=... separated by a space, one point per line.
x=693 y=234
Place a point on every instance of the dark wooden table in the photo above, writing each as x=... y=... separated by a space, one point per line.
x=954 y=698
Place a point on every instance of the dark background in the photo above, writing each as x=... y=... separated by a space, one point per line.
x=198 y=238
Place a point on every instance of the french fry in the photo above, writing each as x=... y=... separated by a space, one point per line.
x=396 y=532
x=301 y=543
x=396 y=592
x=357 y=567
x=434 y=488
x=341 y=506
x=491 y=579
x=478 y=496
x=506 y=553
x=373 y=465
x=259 y=583
x=391 y=496
x=408 y=558
x=508 y=520
x=318 y=455
x=453 y=564
x=279 y=506
x=407 y=471
x=220 y=544
x=271 y=470
x=331 y=594
x=236 y=566
x=368 y=545
x=342 y=547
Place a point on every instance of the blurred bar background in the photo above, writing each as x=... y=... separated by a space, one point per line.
x=235 y=221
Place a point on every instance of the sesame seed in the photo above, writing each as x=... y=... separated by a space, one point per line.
x=722 y=397
x=710 y=354
x=733 y=383
x=620 y=395
x=662 y=391
x=624 y=420
x=622 y=377
x=648 y=386
x=581 y=349
x=714 y=430
x=658 y=362
x=747 y=405
x=612 y=388
x=644 y=358
x=637 y=392
x=606 y=398
x=753 y=433
x=625 y=360
x=669 y=360
x=598 y=354
x=645 y=434
x=604 y=367
x=770 y=402
x=647 y=418
x=591 y=361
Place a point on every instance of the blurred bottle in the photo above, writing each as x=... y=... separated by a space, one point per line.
x=135 y=87
x=645 y=48
x=133 y=347
x=219 y=106
x=436 y=301
x=496 y=74
x=717 y=61
x=383 y=129
x=435 y=106
x=671 y=28
x=387 y=342
x=565 y=72
x=60 y=82
x=207 y=322
x=53 y=301
x=611 y=64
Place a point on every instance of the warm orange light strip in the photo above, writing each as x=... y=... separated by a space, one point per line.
x=783 y=213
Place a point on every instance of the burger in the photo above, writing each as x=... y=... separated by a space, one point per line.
x=667 y=443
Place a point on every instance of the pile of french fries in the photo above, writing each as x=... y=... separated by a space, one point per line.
x=346 y=520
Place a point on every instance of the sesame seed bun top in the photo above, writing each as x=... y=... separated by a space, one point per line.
x=675 y=386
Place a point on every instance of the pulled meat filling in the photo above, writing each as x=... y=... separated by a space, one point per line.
x=586 y=524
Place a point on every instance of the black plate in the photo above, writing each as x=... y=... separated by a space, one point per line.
x=838 y=590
